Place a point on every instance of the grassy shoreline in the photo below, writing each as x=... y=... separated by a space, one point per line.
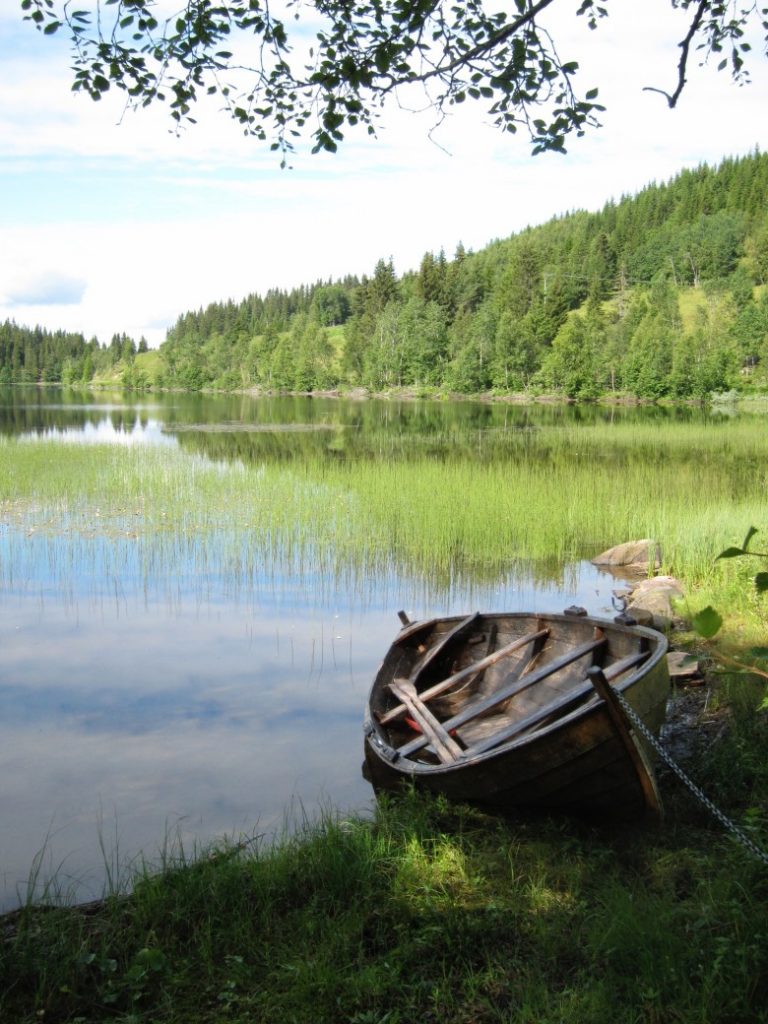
x=427 y=913
x=431 y=913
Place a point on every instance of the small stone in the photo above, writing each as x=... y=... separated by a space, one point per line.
x=641 y=616
x=682 y=665
x=667 y=584
x=655 y=604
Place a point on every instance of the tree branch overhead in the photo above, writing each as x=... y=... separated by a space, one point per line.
x=333 y=65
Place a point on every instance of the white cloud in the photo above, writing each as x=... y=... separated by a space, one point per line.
x=157 y=225
x=45 y=288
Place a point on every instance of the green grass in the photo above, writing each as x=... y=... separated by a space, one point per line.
x=427 y=913
x=531 y=499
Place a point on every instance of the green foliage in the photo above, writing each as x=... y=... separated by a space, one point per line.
x=426 y=912
x=761 y=579
x=707 y=622
x=657 y=297
x=338 y=64
x=553 y=308
x=37 y=356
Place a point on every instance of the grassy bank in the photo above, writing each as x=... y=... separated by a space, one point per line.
x=430 y=913
x=427 y=913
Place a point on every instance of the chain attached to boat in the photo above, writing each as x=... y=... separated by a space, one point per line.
x=724 y=820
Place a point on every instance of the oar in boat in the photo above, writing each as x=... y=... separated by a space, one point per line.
x=505 y=693
x=466 y=673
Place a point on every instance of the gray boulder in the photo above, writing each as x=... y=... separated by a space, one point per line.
x=652 y=599
x=638 y=554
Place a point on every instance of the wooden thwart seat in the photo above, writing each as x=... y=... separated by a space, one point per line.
x=505 y=693
x=466 y=673
x=560 y=707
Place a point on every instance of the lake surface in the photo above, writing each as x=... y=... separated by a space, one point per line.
x=148 y=702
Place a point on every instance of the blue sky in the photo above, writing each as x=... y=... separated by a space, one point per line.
x=111 y=223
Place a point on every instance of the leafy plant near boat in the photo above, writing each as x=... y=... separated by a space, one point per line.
x=709 y=621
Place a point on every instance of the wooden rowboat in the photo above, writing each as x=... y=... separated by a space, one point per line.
x=504 y=711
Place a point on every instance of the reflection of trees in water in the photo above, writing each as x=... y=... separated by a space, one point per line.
x=349 y=427
x=49 y=411
x=297 y=428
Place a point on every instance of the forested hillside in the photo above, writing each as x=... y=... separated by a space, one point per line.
x=662 y=294
x=32 y=355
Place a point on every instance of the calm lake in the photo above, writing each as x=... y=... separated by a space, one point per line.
x=165 y=676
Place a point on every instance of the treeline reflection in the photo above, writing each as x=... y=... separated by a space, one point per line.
x=294 y=428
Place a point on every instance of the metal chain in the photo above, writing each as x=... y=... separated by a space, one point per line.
x=642 y=728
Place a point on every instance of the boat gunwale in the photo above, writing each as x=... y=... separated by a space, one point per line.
x=409 y=767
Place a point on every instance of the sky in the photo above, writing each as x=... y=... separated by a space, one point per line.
x=111 y=223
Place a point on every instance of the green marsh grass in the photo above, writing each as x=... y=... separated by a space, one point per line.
x=474 y=506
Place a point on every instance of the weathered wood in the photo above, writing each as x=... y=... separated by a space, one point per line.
x=403 y=618
x=506 y=692
x=553 y=709
x=493 y=632
x=446 y=747
x=622 y=729
x=466 y=673
x=618 y=668
x=441 y=646
x=507 y=732
x=413 y=629
x=570 y=758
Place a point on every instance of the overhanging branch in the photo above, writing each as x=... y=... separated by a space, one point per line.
x=682 y=65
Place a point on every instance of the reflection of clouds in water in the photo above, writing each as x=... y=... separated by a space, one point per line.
x=214 y=716
x=104 y=431
x=115 y=711
x=145 y=785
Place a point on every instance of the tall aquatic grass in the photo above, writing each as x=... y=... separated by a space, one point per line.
x=489 y=504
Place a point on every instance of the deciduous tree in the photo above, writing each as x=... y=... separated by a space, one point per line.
x=319 y=68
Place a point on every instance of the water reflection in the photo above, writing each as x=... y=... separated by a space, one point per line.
x=207 y=715
x=27 y=410
x=144 y=689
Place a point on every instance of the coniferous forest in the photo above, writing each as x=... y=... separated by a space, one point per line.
x=658 y=295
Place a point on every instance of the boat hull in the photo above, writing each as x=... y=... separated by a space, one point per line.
x=575 y=761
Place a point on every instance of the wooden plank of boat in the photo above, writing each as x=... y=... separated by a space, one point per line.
x=466 y=673
x=552 y=710
x=458 y=631
x=503 y=694
x=411 y=629
x=621 y=727
x=446 y=747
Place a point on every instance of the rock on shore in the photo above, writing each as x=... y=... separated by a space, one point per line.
x=634 y=554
